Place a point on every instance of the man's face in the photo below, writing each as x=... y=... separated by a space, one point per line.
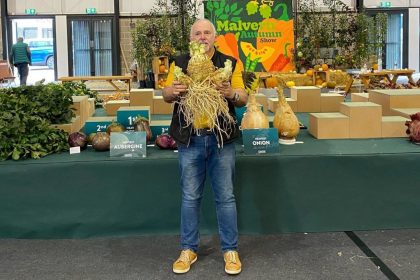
x=203 y=33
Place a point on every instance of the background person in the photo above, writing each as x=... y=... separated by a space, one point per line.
x=20 y=57
x=199 y=154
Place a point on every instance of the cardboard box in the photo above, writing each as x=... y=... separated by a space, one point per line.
x=394 y=126
x=160 y=107
x=112 y=106
x=74 y=126
x=141 y=97
x=292 y=103
x=272 y=104
x=360 y=97
x=329 y=125
x=404 y=112
x=365 y=119
x=395 y=98
x=308 y=98
x=80 y=106
x=330 y=102
x=97 y=124
x=91 y=106
x=127 y=115
x=262 y=100
x=159 y=127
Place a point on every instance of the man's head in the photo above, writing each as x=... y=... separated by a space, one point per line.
x=20 y=39
x=203 y=31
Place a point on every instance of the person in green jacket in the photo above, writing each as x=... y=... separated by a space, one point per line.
x=20 y=57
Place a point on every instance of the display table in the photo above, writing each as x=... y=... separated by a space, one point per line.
x=109 y=79
x=318 y=186
x=390 y=75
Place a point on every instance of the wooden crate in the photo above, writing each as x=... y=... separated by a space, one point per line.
x=324 y=75
x=160 y=60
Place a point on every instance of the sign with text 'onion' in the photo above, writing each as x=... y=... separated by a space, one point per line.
x=260 y=141
x=128 y=144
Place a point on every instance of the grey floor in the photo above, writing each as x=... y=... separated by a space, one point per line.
x=393 y=254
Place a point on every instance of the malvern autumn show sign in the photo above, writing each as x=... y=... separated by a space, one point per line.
x=259 y=34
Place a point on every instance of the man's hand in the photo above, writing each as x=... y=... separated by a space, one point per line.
x=172 y=93
x=178 y=89
x=226 y=90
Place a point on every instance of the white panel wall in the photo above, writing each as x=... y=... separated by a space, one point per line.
x=57 y=7
x=79 y=6
x=135 y=7
x=413 y=39
x=394 y=3
x=17 y=7
x=61 y=46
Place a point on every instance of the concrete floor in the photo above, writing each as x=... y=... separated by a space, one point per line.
x=285 y=256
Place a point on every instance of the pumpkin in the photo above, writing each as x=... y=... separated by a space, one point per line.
x=271 y=82
x=310 y=72
x=324 y=67
x=162 y=68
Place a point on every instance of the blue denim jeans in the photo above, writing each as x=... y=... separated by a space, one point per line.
x=203 y=156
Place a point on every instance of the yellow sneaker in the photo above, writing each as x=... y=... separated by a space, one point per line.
x=232 y=262
x=184 y=262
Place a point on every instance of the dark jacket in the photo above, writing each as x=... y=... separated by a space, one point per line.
x=20 y=54
x=179 y=130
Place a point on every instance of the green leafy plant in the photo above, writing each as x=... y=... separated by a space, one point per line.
x=164 y=31
x=79 y=88
x=26 y=114
x=354 y=37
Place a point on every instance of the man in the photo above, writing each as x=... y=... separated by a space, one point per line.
x=20 y=57
x=199 y=153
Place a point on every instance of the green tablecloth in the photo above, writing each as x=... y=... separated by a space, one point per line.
x=320 y=185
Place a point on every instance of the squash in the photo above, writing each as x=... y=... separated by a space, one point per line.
x=310 y=72
x=271 y=82
x=290 y=84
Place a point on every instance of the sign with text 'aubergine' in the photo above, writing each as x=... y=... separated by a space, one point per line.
x=128 y=144
x=258 y=33
x=260 y=141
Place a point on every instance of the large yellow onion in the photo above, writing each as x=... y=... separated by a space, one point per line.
x=285 y=120
x=254 y=117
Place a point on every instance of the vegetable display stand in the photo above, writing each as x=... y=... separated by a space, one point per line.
x=160 y=66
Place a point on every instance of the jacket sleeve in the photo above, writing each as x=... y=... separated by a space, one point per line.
x=11 y=56
x=28 y=51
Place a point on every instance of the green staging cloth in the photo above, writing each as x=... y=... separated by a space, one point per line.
x=320 y=185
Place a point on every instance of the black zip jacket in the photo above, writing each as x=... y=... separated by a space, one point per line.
x=179 y=130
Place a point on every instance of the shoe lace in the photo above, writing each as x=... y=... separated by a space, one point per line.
x=184 y=257
x=232 y=257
